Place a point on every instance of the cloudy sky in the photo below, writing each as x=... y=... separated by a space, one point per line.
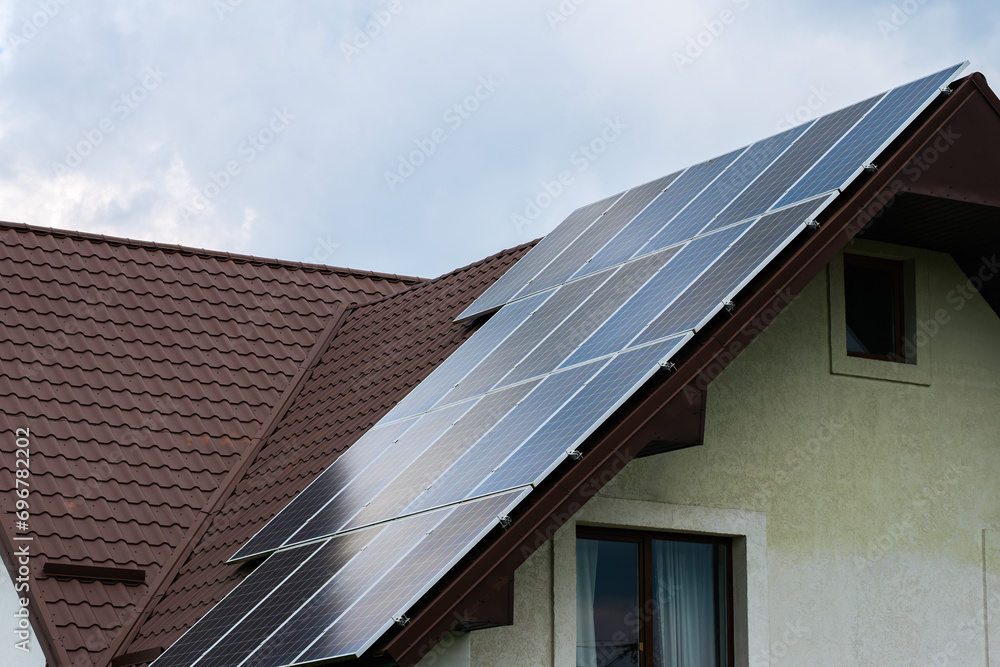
x=413 y=136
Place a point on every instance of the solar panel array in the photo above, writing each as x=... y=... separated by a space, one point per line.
x=584 y=320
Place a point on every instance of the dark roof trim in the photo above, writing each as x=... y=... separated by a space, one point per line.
x=213 y=254
x=129 y=575
x=619 y=439
x=178 y=557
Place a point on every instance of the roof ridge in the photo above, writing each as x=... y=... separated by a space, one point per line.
x=216 y=254
x=428 y=281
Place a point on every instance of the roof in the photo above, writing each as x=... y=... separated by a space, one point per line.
x=380 y=351
x=372 y=354
x=142 y=372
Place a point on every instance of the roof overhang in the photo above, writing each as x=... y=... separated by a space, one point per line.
x=971 y=108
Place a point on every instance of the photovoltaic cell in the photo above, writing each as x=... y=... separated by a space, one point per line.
x=404 y=584
x=661 y=290
x=349 y=465
x=457 y=440
x=536 y=327
x=788 y=168
x=468 y=471
x=237 y=640
x=728 y=185
x=869 y=136
x=579 y=417
x=586 y=245
x=529 y=266
x=361 y=490
x=327 y=592
x=466 y=357
x=645 y=226
x=768 y=235
x=598 y=308
x=224 y=615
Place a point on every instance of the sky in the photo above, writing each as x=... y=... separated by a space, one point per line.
x=410 y=136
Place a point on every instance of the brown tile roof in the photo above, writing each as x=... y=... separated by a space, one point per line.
x=380 y=352
x=142 y=372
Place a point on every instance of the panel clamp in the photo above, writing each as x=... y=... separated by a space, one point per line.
x=729 y=306
x=574 y=454
x=401 y=620
x=945 y=90
x=870 y=167
x=668 y=365
x=812 y=224
x=504 y=520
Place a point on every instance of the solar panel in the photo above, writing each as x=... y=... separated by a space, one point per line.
x=730 y=183
x=504 y=289
x=479 y=461
x=466 y=357
x=411 y=577
x=867 y=139
x=584 y=320
x=422 y=472
x=535 y=328
x=742 y=261
x=645 y=226
x=565 y=338
x=693 y=259
x=351 y=463
x=783 y=173
x=584 y=247
x=372 y=480
x=597 y=399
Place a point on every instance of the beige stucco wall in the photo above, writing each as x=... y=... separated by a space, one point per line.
x=881 y=499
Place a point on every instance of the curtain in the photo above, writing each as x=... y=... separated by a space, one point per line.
x=586 y=586
x=685 y=617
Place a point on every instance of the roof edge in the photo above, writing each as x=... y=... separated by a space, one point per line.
x=613 y=445
x=214 y=254
x=178 y=557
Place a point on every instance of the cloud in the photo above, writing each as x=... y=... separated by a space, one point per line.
x=321 y=183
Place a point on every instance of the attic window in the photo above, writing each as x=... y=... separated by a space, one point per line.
x=874 y=297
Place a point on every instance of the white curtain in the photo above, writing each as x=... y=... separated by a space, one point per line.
x=586 y=585
x=684 y=587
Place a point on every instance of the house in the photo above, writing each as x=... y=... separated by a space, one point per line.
x=807 y=478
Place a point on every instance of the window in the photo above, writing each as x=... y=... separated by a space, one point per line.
x=653 y=599
x=874 y=305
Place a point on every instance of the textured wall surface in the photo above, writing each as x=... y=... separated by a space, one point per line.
x=880 y=498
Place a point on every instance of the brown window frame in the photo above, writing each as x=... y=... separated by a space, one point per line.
x=644 y=538
x=897 y=269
